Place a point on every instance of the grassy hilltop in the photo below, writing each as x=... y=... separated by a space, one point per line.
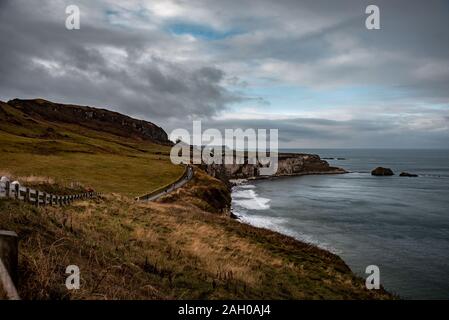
x=184 y=246
x=70 y=152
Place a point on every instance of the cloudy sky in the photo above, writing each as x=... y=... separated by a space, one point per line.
x=308 y=68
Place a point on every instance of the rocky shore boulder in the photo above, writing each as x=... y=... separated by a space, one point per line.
x=381 y=171
x=406 y=174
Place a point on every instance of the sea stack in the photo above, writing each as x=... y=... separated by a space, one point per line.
x=381 y=171
x=406 y=174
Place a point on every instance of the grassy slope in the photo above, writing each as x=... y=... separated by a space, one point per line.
x=69 y=153
x=184 y=246
x=168 y=250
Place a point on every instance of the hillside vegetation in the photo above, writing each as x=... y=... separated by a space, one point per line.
x=184 y=246
x=33 y=144
x=171 y=249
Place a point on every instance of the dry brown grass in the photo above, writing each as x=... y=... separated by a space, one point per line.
x=5 y=173
x=167 y=250
x=204 y=192
x=46 y=184
x=31 y=179
x=35 y=180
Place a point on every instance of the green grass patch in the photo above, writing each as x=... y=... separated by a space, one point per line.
x=70 y=153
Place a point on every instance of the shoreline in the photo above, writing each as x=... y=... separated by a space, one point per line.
x=242 y=182
x=235 y=182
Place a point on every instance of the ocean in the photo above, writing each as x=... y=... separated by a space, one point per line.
x=400 y=224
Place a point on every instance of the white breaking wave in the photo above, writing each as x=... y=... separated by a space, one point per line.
x=244 y=198
x=244 y=194
x=248 y=186
x=248 y=199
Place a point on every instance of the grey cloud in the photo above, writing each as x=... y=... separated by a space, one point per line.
x=80 y=70
x=314 y=133
x=412 y=33
x=151 y=74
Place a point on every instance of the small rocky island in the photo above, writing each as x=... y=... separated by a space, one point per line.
x=381 y=171
x=406 y=174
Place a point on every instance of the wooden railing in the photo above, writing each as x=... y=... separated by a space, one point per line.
x=16 y=191
x=9 y=239
x=8 y=265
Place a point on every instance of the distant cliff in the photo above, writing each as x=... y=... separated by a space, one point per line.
x=289 y=164
x=92 y=118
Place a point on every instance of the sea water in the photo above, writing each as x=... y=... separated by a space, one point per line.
x=400 y=224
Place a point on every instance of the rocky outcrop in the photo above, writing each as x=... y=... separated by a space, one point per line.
x=92 y=118
x=381 y=171
x=406 y=174
x=289 y=164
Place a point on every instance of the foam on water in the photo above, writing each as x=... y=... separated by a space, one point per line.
x=399 y=224
x=247 y=198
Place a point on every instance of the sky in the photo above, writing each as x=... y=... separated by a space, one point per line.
x=310 y=69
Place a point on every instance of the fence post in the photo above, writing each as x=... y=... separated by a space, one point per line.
x=7 y=188
x=37 y=198
x=17 y=190
x=27 y=195
x=8 y=263
x=9 y=252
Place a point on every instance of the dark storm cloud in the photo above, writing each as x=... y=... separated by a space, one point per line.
x=126 y=58
x=42 y=58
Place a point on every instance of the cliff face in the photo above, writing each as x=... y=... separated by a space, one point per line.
x=93 y=118
x=289 y=164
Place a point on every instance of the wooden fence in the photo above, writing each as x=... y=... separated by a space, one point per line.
x=9 y=239
x=16 y=191
x=8 y=265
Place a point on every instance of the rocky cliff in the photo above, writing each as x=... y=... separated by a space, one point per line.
x=93 y=118
x=289 y=164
